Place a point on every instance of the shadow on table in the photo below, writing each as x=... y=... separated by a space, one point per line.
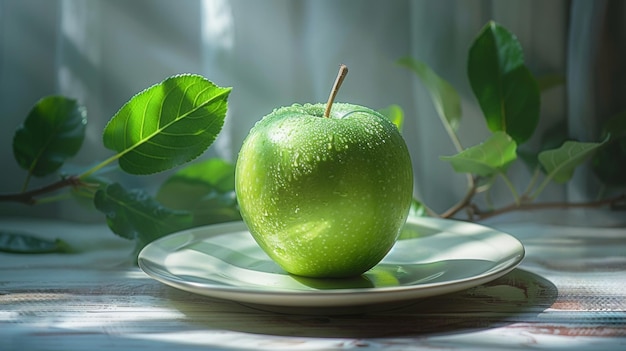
x=517 y=296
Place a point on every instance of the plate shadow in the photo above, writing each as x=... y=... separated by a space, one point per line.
x=518 y=294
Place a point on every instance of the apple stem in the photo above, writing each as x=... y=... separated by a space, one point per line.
x=343 y=71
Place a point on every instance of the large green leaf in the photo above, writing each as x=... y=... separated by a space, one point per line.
x=168 y=124
x=206 y=189
x=216 y=207
x=444 y=96
x=53 y=131
x=507 y=92
x=136 y=216
x=488 y=158
x=196 y=180
x=560 y=163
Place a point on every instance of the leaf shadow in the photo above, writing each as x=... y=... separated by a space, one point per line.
x=517 y=295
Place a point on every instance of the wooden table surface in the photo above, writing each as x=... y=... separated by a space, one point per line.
x=568 y=293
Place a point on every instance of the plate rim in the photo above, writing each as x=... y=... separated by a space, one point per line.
x=324 y=297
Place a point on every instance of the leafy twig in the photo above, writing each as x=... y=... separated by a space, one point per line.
x=30 y=197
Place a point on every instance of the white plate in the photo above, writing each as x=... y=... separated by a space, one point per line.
x=224 y=261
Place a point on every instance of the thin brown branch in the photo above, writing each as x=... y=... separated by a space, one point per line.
x=463 y=203
x=613 y=202
x=30 y=197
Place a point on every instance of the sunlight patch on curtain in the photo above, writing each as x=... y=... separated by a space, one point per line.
x=217 y=24
x=218 y=41
x=79 y=52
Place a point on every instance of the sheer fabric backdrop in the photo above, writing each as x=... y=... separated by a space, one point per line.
x=278 y=52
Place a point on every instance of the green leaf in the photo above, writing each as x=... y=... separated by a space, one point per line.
x=560 y=163
x=395 y=114
x=204 y=188
x=491 y=157
x=168 y=124
x=136 y=216
x=215 y=174
x=216 y=208
x=23 y=243
x=53 y=131
x=507 y=92
x=445 y=97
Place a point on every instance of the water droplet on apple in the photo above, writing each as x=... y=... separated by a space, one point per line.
x=296 y=156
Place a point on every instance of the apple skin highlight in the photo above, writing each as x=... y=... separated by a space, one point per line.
x=324 y=197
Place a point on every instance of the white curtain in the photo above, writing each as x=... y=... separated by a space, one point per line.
x=277 y=52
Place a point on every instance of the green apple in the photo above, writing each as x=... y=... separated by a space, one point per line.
x=324 y=197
